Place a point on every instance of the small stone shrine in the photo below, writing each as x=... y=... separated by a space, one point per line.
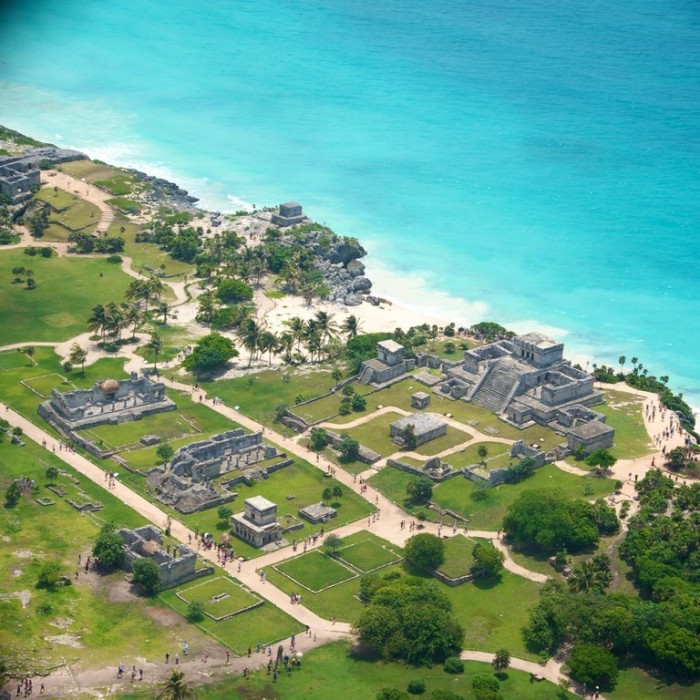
x=174 y=567
x=258 y=524
x=426 y=427
x=420 y=400
x=318 y=513
x=388 y=365
x=289 y=214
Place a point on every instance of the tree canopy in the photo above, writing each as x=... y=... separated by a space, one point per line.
x=211 y=352
x=408 y=618
x=426 y=551
x=549 y=520
x=109 y=547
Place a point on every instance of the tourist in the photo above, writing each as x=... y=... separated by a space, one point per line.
x=228 y=658
x=177 y=659
x=167 y=657
x=185 y=648
x=140 y=674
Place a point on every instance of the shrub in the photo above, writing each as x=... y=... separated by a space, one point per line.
x=195 y=611
x=485 y=681
x=13 y=494
x=420 y=490
x=454 y=665
x=49 y=574
x=109 y=547
x=234 y=291
x=146 y=574
x=593 y=665
x=416 y=687
x=358 y=403
x=319 y=439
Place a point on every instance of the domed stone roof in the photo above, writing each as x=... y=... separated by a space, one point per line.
x=109 y=386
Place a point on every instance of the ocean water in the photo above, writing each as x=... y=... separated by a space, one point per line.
x=533 y=163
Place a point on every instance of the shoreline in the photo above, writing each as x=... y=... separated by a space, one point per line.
x=425 y=304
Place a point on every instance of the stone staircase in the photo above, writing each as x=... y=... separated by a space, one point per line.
x=366 y=375
x=497 y=386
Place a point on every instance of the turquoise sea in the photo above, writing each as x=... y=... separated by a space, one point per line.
x=535 y=163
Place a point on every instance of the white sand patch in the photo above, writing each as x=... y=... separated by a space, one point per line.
x=69 y=640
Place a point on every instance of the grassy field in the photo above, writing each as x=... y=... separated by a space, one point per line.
x=336 y=671
x=498 y=456
x=90 y=170
x=457 y=494
x=625 y=413
x=458 y=556
x=264 y=624
x=636 y=683
x=14 y=359
x=220 y=596
x=368 y=554
x=340 y=601
x=315 y=571
x=56 y=197
x=67 y=288
x=97 y=612
x=259 y=395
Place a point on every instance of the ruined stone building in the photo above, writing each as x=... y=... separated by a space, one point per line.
x=258 y=524
x=389 y=364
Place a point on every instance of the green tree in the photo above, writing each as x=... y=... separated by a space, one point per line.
x=211 y=352
x=358 y=403
x=483 y=452
x=488 y=561
x=108 y=549
x=224 y=512
x=175 y=688
x=78 y=356
x=337 y=491
x=164 y=453
x=13 y=494
x=602 y=459
x=549 y=520
x=332 y=543
x=155 y=344
x=408 y=436
x=391 y=694
x=319 y=439
x=622 y=359
x=593 y=665
x=51 y=473
x=420 y=490
x=586 y=577
x=327 y=494
x=195 y=611
x=145 y=573
x=425 y=551
x=501 y=660
x=349 y=449
x=351 y=326
x=49 y=575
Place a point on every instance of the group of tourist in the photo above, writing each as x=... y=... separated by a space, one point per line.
x=28 y=688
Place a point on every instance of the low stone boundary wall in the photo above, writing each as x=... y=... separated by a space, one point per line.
x=419 y=472
x=453 y=581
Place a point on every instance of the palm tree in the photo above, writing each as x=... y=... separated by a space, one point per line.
x=297 y=326
x=326 y=325
x=587 y=577
x=208 y=306
x=267 y=342
x=78 y=356
x=483 y=452
x=285 y=343
x=132 y=316
x=501 y=661
x=175 y=688
x=351 y=326
x=250 y=336
x=163 y=308
x=433 y=334
x=115 y=319
x=156 y=345
x=96 y=322
x=622 y=359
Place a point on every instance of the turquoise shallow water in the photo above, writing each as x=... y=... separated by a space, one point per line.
x=537 y=161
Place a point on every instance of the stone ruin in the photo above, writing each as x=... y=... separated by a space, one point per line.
x=426 y=427
x=388 y=366
x=187 y=481
x=288 y=214
x=109 y=402
x=176 y=566
x=526 y=381
x=258 y=524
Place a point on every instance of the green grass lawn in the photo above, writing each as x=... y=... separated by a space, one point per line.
x=45 y=383
x=220 y=596
x=634 y=683
x=82 y=216
x=90 y=170
x=67 y=288
x=368 y=554
x=56 y=197
x=336 y=671
x=117 y=184
x=375 y=434
x=458 y=556
x=259 y=395
x=452 y=438
x=264 y=624
x=315 y=571
x=493 y=614
x=625 y=413
x=13 y=359
x=110 y=627
x=341 y=601
x=457 y=494
x=498 y=456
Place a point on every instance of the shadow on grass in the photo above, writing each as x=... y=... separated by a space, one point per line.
x=485 y=583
